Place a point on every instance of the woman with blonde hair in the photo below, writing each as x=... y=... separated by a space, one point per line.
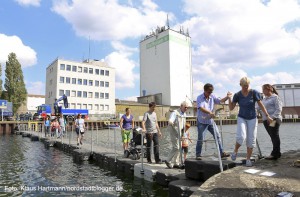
x=247 y=118
x=273 y=105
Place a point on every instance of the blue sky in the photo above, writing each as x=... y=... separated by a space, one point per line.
x=230 y=38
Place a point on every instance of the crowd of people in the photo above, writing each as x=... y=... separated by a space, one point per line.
x=250 y=102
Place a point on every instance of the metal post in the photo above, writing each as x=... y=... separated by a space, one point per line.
x=259 y=151
x=221 y=129
x=217 y=144
x=115 y=144
x=142 y=138
x=92 y=139
x=179 y=138
x=96 y=133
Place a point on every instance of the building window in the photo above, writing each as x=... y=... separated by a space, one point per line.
x=97 y=71
x=106 y=107
x=79 y=81
x=67 y=93
x=73 y=94
x=61 y=92
x=68 y=80
x=107 y=73
x=288 y=86
x=85 y=70
x=84 y=94
x=101 y=83
x=90 y=95
x=91 y=70
x=101 y=107
x=96 y=94
x=96 y=83
x=73 y=106
x=73 y=80
x=78 y=105
x=297 y=86
x=79 y=69
x=85 y=82
x=101 y=72
x=96 y=107
x=79 y=93
x=106 y=96
x=74 y=68
x=84 y=106
x=62 y=67
x=90 y=82
x=106 y=84
x=68 y=67
x=61 y=80
x=101 y=95
x=90 y=106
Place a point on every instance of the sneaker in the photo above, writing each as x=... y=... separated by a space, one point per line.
x=149 y=161
x=233 y=156
x=77 y=144
x=81 y=142
x=248 y=163
x=224 y=154
x=178 y=166
x=198 y=158
x=169 y=165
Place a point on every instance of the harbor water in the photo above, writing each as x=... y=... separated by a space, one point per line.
x=29 y=169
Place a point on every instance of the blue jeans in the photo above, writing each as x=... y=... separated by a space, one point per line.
x=201 y=137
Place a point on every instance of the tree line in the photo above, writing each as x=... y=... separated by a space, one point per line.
x=14 y=87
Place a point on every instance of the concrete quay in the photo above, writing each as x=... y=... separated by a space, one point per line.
x=237 y=182
x=199 y=178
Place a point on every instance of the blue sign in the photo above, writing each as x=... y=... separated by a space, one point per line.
x=3 y=104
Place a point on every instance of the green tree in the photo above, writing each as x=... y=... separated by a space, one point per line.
x=14 y=82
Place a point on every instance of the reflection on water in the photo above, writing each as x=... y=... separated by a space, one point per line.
x=28 y=169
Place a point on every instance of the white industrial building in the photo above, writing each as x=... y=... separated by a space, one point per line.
x=88 y=85
x=166 y=70
x=289 y=94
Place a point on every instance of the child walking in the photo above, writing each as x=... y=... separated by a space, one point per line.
x=185 y=140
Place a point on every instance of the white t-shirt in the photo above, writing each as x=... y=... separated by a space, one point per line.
x=80 y=124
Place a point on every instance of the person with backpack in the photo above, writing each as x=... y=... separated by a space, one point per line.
x=247 y=117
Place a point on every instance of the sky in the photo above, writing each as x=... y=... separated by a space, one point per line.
x=230 y=39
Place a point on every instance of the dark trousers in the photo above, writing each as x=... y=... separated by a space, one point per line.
x=274 y=134
x=152 y=137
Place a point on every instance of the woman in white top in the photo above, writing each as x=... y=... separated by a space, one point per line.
x=273 y=105
x=80 y=127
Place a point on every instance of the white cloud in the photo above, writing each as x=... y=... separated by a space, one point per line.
x=35 y=3
x=25 y=55
x=36 y=87
x=120 y=60
x=109 y=20
x=243 y=32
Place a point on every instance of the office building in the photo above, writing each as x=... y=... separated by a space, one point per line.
x=88 y=85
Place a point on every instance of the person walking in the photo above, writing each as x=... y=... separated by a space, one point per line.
x=247 y=117
x=205 y=115
x=177 y=118
x=185 y=140
x=80 y=129
x=273 y=105
x=47 y=124
x=62 y=123
x=126 y=124
x=150 y=126
x=55 y=126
